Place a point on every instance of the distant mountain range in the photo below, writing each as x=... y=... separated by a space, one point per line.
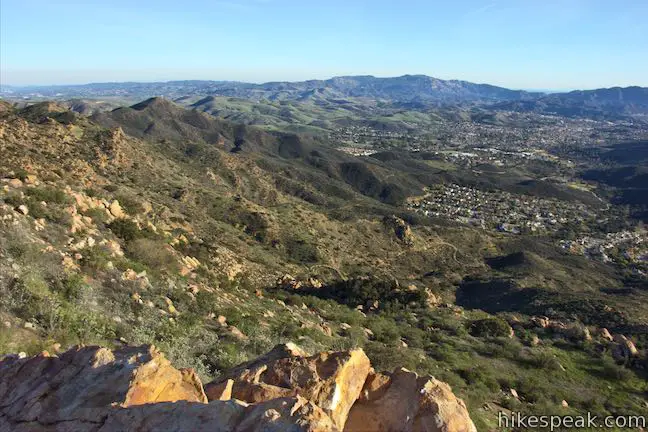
x=586 y=103
x=412 y=91
x=407 y=88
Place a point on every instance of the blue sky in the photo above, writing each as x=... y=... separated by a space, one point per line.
x=531 y=44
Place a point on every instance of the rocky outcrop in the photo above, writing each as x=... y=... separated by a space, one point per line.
x=111 y=149
x=220 y=391
x=81 y=384
x=136 y=388
x=131 y=376
x=401 y=229
x=623 y=349
x=605 y=334
x=403 y=401
x=286 y=414
x=332 y=380
x=116 y=210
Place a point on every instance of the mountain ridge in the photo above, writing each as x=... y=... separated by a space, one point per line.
x=597 y=103
x=417 y=92
x=360 y=86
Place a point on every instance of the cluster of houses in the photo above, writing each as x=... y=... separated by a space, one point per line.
x=500 y=210
x=626 y=246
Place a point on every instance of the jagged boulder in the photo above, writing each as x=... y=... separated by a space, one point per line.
x=220 y=391
x=404 y=402
x=80 y=384
x=574 y=331
x=250 y=391
x=94 y=375
x=286 y=415
x=623 y=349
x=180 y=416
x=278 y=415
x=116 y=210
x=332 y=380
x=605 y=334
x=136 y=388
x=281 y=351
x=540 y=321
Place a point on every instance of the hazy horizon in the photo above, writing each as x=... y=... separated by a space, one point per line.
x=71 y=84
x=557 y=45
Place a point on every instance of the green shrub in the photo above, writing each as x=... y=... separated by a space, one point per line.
x=96 y=258
x=87 y=327
x=254 y=223
x=615 y=372
x=444 y=352
x=124 y=263
x=479 y=375
x=301 y=251
x=225 y=355
x=540 y=359
x=184 y=353
x=292 y=330
x=125 y=229
x=30 y=298
x=533 y=388
x=415 y=338
x=128 y=230
x=58 y=215
x=329 y=309
x=72 y=287
x=98 y=215
x=92 y=192
x=13 y=199
x=153 y=253
x=385 y=329
x=19 y=298
x=18 y=245
x=510 y=403
x=490 y=327
x=48 y=194
x=441 y=319
x=205 y=302
x=355 y=337
x=130 y=204
x=385 y=357
x=21 y=174
x=37 y=210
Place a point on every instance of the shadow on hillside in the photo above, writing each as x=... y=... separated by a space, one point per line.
x=504 y=295
x=496 y=295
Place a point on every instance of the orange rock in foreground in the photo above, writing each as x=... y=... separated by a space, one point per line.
x=403 y=401
x=137 y=388
x=332 y=380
